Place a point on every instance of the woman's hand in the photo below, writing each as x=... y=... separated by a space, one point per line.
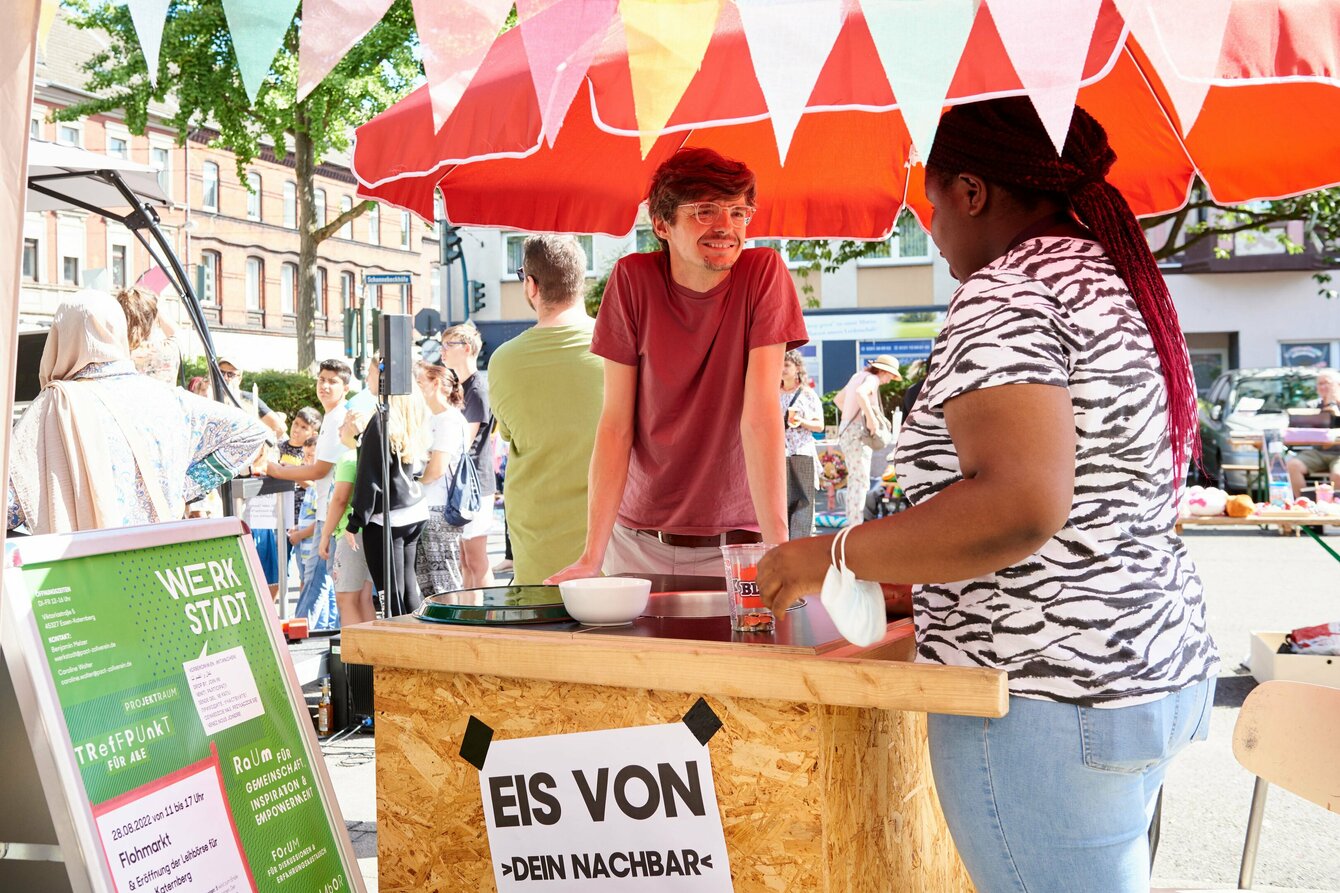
x=351 y=541
x=323 y=548
x=792 y=571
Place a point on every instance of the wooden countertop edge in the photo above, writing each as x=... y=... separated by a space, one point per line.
x=704 y=669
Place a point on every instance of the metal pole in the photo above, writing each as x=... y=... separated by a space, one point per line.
x=383 y=410
x=465 y=287
x=1249 y=845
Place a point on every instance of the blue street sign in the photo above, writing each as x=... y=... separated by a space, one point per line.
x=386 y=279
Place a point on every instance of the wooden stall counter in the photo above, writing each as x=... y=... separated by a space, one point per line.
x=821 y=768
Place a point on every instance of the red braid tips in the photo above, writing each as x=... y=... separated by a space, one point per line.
x=1003 y=141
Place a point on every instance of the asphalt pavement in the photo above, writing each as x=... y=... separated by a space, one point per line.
x=1255 y=580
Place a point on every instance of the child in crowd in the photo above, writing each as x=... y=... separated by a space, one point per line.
x=300 y=536
x=344 y=550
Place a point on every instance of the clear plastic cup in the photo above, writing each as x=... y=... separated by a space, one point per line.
x=747 y=612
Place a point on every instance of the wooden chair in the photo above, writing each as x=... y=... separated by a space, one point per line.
x=1288 y=734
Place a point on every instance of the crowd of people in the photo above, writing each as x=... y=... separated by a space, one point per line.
x=1060 y=387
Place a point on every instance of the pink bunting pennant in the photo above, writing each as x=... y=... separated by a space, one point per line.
x=455 y=36
x=1047 y=43
x=330 y=29
x=561 y=38
x=1183 y=41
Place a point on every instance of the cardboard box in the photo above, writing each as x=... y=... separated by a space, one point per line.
x=1265 y=664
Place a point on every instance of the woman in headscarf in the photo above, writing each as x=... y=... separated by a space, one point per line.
x=103 y=446
x=1043 y=460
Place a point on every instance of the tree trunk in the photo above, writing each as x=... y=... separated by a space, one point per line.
x=305 y=169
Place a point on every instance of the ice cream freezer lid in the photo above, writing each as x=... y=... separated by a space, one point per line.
x=495 y=605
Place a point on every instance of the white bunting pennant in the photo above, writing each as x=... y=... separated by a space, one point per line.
x=561 y=38
x=789 y=41
x=455 y=36
x=149 y=17
x=330 y=29
x=1183 y=41
x=920 y=43
x=1047 y=43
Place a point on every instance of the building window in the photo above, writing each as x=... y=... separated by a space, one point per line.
x=119 y=263
x=319 y=206
x=290 y=204
x=118 y=147
x=255 y=282
x=288 y=288
x=375 y=225
x=515 y=254
x=209 y=177
x=346 y=291
x=404 y=230
x=346 y=205
x=589 y=249
x=30 y=260
x=645 y=239
x=35 y=127
x=253 y=196
x=908 y=242
x=320 y=291
x=69 y=135
x=160 y=158
x=70 y=270
x=209 y=277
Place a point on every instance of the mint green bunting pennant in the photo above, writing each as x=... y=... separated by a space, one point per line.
x=257 y=28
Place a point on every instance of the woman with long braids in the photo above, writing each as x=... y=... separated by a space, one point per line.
x=1043 y=459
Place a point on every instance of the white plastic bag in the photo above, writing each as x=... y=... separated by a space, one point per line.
x=856 y=606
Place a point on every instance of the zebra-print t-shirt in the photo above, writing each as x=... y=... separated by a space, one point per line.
x=1110 y=612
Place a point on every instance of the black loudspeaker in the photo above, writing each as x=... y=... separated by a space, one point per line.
x=397 y=354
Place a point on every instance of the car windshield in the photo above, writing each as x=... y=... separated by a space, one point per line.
x=1262 y=395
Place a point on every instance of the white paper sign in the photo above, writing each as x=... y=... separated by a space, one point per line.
x=224 y=689
x=623 y=809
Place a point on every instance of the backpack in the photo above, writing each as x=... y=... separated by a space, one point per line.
x=464 y=501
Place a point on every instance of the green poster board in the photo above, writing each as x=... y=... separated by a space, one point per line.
x=179 y=756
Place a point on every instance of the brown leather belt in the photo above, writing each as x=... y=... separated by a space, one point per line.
x=727 y=538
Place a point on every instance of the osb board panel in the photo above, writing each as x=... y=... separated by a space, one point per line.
x=812 y=798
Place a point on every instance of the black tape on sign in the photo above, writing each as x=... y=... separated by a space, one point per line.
x=701 y=719
x=475 y=744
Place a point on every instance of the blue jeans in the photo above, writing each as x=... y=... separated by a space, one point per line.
x=316 y=602
x=1054 y=798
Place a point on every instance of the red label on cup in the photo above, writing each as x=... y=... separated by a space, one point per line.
x=746 y=591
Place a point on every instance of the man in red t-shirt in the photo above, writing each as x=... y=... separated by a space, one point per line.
x=689 y=454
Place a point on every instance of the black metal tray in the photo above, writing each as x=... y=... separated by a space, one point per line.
x=495 y=605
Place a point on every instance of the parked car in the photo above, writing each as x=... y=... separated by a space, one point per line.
x=1243 y=403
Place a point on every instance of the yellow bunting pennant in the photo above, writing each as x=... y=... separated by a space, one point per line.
x=667 y=40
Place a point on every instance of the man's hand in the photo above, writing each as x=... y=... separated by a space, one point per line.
x=792 y=571
x=323 y=549
x=580 y=569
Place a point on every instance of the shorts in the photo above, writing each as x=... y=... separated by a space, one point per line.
x=267 y=547
x=1319 y=461
x=349 y=569
x=482 y=524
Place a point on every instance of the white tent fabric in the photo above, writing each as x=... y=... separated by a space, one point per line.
x=45 y=159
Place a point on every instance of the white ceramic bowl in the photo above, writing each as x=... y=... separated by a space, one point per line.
x=605 y=601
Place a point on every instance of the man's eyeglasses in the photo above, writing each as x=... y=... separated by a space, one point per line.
x=230 y=376
x=710 y=212
x=520 y=274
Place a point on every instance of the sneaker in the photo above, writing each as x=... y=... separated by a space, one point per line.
x=503 y=567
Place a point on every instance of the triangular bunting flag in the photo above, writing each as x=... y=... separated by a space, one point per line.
x=330 y=29
x=789 y=41
x=667 y=40
x=46 y=17
x=257 y=28
x=149 y=16
x=920 y=43
x=1047 y=43
x=1183 y=41
x=561 y=37
x=455 y=36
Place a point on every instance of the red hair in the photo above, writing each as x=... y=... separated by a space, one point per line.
x=1003 y=142
x=692 y=175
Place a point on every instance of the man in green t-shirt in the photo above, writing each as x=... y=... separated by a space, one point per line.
x=546 y=388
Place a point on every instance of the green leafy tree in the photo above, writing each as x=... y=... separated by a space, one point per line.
x=198 y=69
